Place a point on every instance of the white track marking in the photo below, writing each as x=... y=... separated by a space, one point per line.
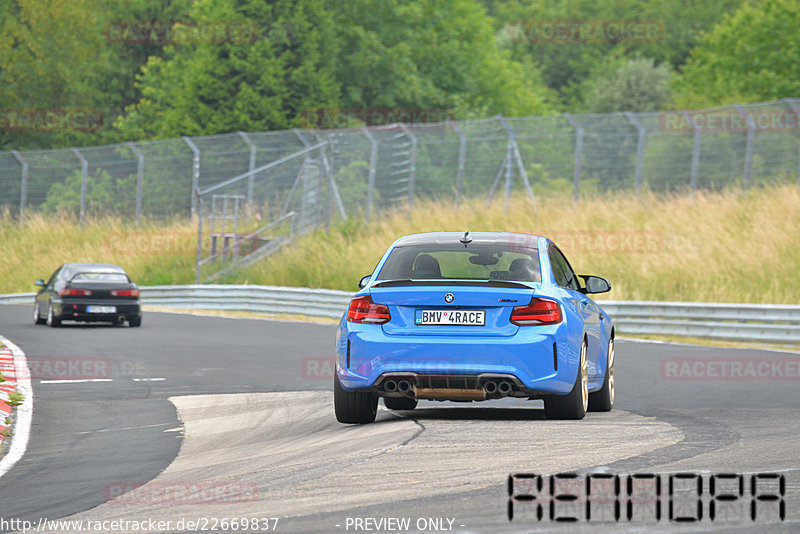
x=76 y=381
x=22 y=427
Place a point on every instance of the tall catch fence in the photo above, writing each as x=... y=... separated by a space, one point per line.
x=251 y=192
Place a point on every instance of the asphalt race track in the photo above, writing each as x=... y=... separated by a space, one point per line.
x=245 y=405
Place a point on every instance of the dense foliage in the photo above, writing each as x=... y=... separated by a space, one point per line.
x=144 y=69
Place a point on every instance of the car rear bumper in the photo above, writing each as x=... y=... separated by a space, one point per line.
x=366 y=356
x=78 y=310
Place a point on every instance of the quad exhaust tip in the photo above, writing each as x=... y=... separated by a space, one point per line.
x=502 y=388
x=390 y=386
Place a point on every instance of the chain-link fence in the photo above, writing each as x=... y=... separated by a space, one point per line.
x=361 y=170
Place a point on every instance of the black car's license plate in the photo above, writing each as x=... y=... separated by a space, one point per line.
x=450 y=317
x=101 y=309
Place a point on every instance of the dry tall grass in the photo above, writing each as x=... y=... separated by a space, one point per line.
x=722 y=247
x=153 y=253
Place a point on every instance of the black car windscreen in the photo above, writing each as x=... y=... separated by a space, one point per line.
x=100 y=277
x=474 y=262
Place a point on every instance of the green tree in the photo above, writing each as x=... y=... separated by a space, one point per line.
x=47 y=62
x=263 y=83
x=751 y=56
x=566 y=64
x=427 y=54
x=635 y=85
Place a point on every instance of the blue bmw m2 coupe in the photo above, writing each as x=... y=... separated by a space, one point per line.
x=452 y=316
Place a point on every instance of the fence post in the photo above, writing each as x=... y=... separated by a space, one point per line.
x=748 y=150
x=199 y=257
x=23 y=196
x=509 y=150
x=513 y=156
x=84 y=179
x=796 y=109
x=139 y=179
x=576 y=172
x=412 y=176
x=462 y=154
x=698 y=138
x=373 y=162
x=642 y=131
x=250 y=167
x=195 y=170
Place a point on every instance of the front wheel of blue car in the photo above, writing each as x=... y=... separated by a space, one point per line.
x=353 y=407
x=574 y=404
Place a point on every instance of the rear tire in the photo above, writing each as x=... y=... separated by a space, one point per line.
x=52 y=320
x=400 y=403
x=37 y=317
x=574 y=404
x=603 y=400
x=135 y=322
x=353 y=407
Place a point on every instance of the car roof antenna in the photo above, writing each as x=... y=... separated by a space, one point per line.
x=466 y=239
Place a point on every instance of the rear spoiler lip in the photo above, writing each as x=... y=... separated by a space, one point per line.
x=446 y=283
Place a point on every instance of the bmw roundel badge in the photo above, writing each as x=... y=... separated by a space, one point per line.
x=448 y=298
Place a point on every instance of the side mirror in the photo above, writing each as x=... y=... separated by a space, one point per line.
x=364 y=280
x=39 y=282
x=595 y=284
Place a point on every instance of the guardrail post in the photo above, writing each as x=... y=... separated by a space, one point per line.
x=373 y=162
x=412 y=175
x=698 y=138
x=578 y=166
x=84 y=179
x=642 y=131
x=250 y=167
x=23 y=196
x=462 y=154
x=195 y=170
x=796 y=109
x=139 y=179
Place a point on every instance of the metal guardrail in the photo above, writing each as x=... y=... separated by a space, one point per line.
x=743 y=322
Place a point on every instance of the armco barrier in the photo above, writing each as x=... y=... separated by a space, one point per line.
x=744 y=322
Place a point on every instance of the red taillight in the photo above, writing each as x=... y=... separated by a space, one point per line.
x=539 y=311
x=363 y=310
x=124 y=292
x=75 y=292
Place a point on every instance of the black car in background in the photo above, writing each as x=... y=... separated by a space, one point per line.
x=89 y=292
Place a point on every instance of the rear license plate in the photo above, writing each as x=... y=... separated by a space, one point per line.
x=101 y=309
x=450 y=317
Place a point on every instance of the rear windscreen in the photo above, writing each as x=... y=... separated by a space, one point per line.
x=100 y=277
x=475 y=262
